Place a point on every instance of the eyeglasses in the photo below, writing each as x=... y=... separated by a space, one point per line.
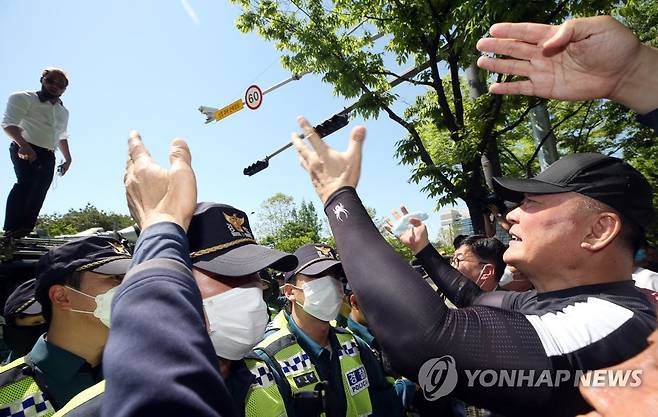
x=54 y=82
x=454 y=261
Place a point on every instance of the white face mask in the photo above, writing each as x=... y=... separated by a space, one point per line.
x=479 y=281
x=237 y=319
x=322 y=297
x=103 y=308
x=507 y=278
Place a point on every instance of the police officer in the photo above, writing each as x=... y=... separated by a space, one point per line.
x=74 y=285
x=24 y=321
x=322 y=370
x=226 y=261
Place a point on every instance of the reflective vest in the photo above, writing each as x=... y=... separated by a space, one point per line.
x=263 y=398
x=19 y=393
x=85 y=404
x=301 y=375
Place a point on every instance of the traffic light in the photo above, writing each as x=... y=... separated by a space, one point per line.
x=257 y=166
x=332 y=124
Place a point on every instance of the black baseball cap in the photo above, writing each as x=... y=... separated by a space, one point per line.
x=21 y=301
x=604 y=178
x=221 y=242
x=102 y=255
x=314 y=259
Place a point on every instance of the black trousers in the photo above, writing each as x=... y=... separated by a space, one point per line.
x=26 y=197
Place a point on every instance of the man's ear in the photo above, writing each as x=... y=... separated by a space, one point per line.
x=487 y=271
x=288 y=292
x=353 y=302
x=604 y=228
x=488 y=277
x=59 y=296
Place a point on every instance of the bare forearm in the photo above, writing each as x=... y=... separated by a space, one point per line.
x=15 y=133
x=639 y=89
x=64 y=148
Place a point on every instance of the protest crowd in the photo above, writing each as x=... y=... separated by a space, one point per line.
x=192 y=322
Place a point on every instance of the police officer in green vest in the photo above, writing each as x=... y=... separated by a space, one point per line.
x=322 y=370
x=226 y=261
x=74 y=286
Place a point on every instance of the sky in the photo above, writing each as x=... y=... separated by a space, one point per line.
x=148 y=65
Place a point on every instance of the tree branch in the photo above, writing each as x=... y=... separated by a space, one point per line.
x=518 y=121
x=492 y=113
x=543 y=139
x=514 y=158
x=556 y=11
x=301 y=10
x=410 y=80
x=492 y=116
x=457 y=98
x=582 y=125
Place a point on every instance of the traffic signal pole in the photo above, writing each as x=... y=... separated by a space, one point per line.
x=332 y=124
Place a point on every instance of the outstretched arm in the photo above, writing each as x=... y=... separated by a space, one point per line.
x=159 y=359
x=582 y=59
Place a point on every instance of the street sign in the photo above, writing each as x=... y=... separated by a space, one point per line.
x=253 y=98
x=234 y=107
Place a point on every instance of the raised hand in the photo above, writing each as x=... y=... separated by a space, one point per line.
x=329 y=169
x=415 y=238
x=582 y=59
x=155 y=194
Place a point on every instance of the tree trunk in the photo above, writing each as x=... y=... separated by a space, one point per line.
x=475 y=194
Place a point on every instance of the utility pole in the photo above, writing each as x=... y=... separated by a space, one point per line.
x=541 y=127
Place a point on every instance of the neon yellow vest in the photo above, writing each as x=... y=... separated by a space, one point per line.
x=20 y=392
x=263 y=398
x=302 y=376
x=81 y=399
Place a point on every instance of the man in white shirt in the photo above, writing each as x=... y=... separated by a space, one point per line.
x=36 y=122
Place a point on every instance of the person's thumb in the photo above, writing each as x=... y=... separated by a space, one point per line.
x=415 y=222
x=562 y=37
x=354 y=152
x=179 y=152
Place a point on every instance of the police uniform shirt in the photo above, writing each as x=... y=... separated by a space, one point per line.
x=363 y=332
x=63 y=374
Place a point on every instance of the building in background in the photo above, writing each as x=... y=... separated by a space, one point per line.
x=456 y=221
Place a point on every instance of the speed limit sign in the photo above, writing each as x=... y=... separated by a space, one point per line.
x=253 y=98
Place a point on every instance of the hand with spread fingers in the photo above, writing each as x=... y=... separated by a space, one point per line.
x=415 y=238
x=329 y=169
x=582 y=59
x=155 y=194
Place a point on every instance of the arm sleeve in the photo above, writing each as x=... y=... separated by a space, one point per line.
x=158 y=359
x=413 y=325
x=63 y=131
x=650 y=120
x=460 y=290
x=17 y=108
